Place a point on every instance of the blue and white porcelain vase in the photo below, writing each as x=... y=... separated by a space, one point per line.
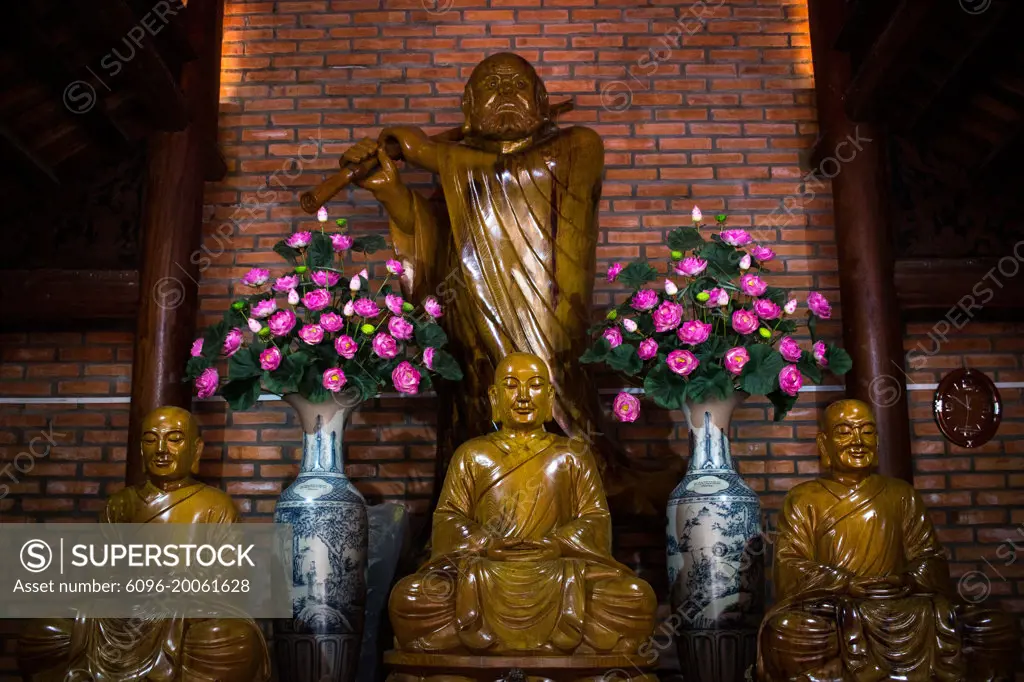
x=715 y=553
x=329 y=547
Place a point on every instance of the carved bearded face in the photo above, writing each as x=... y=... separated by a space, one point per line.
x=849 y=441
x=171 y=445
x=504 y=99
x=521 y=396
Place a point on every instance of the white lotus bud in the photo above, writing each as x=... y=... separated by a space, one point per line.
x=670 y=288
x=745 y=262
x=293 y=297
x=254 y=326
x=349 y=310
x=629 y=325
x=355 y=284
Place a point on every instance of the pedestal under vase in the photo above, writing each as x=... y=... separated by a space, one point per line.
x=715 y=553
x=328 y=516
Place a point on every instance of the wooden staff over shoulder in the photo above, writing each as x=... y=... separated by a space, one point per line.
x=312 y=200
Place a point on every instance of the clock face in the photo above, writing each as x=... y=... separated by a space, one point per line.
x=967 y=408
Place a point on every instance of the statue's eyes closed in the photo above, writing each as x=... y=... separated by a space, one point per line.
x=492 y=82
x=149 y=438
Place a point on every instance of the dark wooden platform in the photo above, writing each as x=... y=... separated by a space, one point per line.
x=417 y=667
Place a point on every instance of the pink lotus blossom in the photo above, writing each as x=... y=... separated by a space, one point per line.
x=790 y=380
x=286 y=283
x=207 y=382
x=312 y=334
x=667 y=317
x=428 y=357
x=752 y=285
x=695 y=215
x=270 y=359
x=334 y=379
x=299 y=240
x=400 y=328
x=762 y=253
x=332 y=322
x=694 y=331
x=293 y=297
x=385 y=346
x=613 y=336
x=325 y=278
x=717 y=298
x=629 y=325
x=432 y=307
x=626 y=407
x=744 y=321
x=682 y=362
x=691 y=267
x=317 y=299
x=406 y=378
x=820 y=351
x=790 y=349
x=321 y=214
x=648 y=349
x=256 y=277
x=394 y=303
x=281 y=323
x=346 y=346
x=341 y=242
x=264 y=308
x=394 y=267
x=736 y=237
x=613 y=271
x=366 y=307
x=645 y=299
x=197 y=347
x=232 y=342
x=767 y=310
x=819 y=305
x=736 y=358
x=254 y=325
x=745 y=262
x=790 y=306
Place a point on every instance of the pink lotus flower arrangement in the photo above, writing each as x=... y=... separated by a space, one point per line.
x=713 y=327
x=311 y=330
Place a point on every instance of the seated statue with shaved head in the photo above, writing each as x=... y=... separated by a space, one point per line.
x=166 y=650
x=521 y=548
x=863 y=582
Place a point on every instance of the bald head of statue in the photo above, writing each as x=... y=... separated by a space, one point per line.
x=171 y=446
x=522 y=396
x=848 y=440
x=504 y=99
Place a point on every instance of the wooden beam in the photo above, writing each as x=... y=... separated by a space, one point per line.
x=943 y=284
x=33 y=296
x=172 y=233
x=14 y=155
x=872 y=330
x=886 y=61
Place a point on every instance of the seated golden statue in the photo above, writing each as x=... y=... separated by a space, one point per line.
x=863 y=583
x=521 y=561
x=175 y=649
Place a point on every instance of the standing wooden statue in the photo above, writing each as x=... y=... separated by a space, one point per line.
x=863 y=582
x=513 y=253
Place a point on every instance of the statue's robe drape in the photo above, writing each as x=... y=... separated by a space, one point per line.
x=111 y=649
x=463 y=599
x=513 y=259
x=829 y=534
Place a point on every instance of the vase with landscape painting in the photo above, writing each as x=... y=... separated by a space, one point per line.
x=329 y=549
x=715 y=553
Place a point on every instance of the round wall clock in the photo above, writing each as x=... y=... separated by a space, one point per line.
x=967 y=408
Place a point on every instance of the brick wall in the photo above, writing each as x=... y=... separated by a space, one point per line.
x=723 y=118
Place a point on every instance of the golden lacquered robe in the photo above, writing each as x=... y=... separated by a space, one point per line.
x=165 y=650
x=513 y=259
x=829 y=535
x=466 y=599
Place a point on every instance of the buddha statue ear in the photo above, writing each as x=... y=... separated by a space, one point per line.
x=492 y=394
x=197 y=454
x=826 y=461
x=540 y=92
x=467 y=110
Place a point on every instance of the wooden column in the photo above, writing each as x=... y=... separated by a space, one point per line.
x=872 y=330
x=172 y=233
